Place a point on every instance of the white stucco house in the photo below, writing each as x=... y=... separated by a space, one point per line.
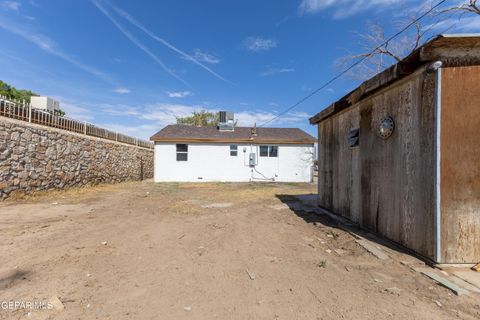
x=237 y=154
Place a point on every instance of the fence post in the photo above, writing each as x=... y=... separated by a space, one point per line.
x=29 y=112
x=116 y=136
x=136 y=141
x=85 y=127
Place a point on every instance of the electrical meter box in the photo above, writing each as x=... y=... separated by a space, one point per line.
x=252 y=159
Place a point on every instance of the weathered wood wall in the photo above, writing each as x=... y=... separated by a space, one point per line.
x=460 y=164
x=386 y=186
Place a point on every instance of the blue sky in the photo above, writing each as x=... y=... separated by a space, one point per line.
x=133 y=66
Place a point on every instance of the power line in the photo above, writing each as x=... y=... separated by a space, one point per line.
x=314 y=92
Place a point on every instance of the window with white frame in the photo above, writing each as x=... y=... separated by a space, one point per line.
x=233 y=150
x=269 y=151
x=182 y=152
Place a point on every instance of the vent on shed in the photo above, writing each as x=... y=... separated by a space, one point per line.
x=353 y=138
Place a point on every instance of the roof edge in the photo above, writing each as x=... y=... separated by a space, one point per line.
x=249 y=141
x=418 y=58
x=379 y=81
x=282 y=135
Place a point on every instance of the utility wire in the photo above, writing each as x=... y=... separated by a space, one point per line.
x=311 y=94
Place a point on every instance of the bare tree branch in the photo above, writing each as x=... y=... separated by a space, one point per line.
x=377 y=56
x=469 y=7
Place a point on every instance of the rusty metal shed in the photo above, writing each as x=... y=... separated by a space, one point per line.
x=400 y=155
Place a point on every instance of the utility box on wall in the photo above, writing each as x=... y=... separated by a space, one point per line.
x=252 y=159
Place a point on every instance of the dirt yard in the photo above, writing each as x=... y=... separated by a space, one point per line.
x=201 y=251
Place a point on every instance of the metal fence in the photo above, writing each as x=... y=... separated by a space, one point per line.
x=21 y=110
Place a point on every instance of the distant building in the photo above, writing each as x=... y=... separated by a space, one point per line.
x=400 y=154
x=229 y=153
x=45 y=103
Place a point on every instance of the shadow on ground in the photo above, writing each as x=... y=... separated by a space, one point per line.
x=305 y=206
x=307 y=211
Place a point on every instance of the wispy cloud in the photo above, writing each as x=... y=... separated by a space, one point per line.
x=75 y=110
x=459 y=24
x=257 y=44
x=121 y=90
x=274 y=71
x=152 y=35
x=205 y=57
x=179 y=94
x=49 y=46
x=136 y=42
x=15 y=7
x=10 y=5
x=249 y=118
x=122 y=110
x=346 y=8
x=143 y=131
x=157 y=115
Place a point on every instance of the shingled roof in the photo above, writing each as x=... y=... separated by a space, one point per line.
x=186 y=133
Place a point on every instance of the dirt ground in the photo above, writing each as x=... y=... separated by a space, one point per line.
x=201 y=251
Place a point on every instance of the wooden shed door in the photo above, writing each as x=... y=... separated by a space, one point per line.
x=460 y=165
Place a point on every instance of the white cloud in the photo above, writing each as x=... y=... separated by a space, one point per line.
x=152 y=35
x=158 y=115
x=346 y=8
x=10 y=5
x=74 y=110
x=144 y=131
x=121 y=90
x=136 y=42
x=49 y=46
x=314 y=6
x=205 y=57
x=257 y=44
x=164 y=114
x=249 y=118
x=273 y=71
x=122 y=110
x=15 y=7
x=179 y=94
x=462 y=24
x=468 y=24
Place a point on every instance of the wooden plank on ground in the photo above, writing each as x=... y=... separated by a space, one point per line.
x=444 y=282
x=372 y=249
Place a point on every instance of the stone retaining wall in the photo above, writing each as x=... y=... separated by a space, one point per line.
x=34 y=158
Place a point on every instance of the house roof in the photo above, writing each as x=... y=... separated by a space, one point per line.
x=451 y=49
x=186 y=133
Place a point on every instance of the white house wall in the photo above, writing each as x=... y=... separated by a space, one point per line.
x=212 y=162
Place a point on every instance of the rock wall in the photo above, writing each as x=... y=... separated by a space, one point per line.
x=34 y=158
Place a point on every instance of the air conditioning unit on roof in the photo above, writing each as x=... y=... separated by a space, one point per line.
x=226 y=121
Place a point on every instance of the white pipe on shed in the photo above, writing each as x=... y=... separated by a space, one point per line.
x=437 y=67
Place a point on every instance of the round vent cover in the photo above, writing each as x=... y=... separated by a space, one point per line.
x=386 y=127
